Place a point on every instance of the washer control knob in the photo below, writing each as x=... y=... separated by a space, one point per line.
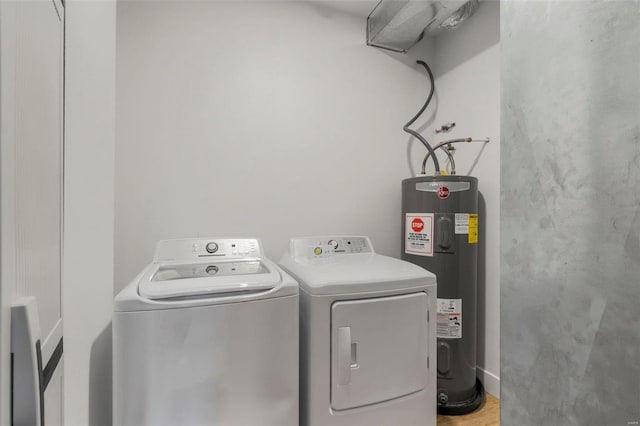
x=212 y=247
x=333 y=244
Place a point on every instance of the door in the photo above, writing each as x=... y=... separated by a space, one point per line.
x=379 y=349
x=31 y=145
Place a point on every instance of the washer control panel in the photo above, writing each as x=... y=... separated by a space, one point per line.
x=350 y=245
x=322 y=247
x=191 y=249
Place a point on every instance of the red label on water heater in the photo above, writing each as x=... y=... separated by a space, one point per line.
x=443 y=192
x=417 y=225
x=418 y=234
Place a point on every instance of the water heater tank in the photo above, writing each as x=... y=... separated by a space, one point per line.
x=440 y=233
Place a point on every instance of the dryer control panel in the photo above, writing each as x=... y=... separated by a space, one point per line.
x=197 y=248
x=327 y=246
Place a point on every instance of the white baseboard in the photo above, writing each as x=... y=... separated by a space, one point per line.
x=490 y=381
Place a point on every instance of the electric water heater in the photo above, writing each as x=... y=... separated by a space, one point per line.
x=440 y=233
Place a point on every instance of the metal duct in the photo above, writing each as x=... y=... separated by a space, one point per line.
x=399 y=24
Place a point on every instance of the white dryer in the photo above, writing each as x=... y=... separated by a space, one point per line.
x=368 y=335
x=207 y=335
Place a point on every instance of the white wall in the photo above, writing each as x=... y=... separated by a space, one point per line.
x=467 y=71
x=248 y=118
x=277 y=120
x=88 y=204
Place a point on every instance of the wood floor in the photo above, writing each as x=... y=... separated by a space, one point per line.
x=487 y=415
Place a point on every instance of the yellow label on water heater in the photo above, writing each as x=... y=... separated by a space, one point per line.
x=473 y=228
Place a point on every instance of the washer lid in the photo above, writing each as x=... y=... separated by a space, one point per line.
x=177 y=280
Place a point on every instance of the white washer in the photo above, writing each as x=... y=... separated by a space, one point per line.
x=367 y=334
x=207 y=335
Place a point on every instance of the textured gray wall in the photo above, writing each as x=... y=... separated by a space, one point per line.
x=570 y=215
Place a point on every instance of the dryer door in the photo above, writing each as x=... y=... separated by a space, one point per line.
x=379 y=349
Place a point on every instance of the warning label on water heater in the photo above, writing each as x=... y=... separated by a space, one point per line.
x=418 y=234
x=467 y=223
x=473 y=228
x=462 y=223
x=449 y=325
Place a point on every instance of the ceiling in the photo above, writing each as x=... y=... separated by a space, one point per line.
x=358 y=8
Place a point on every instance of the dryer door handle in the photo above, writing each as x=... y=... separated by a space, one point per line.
x=344 y=356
